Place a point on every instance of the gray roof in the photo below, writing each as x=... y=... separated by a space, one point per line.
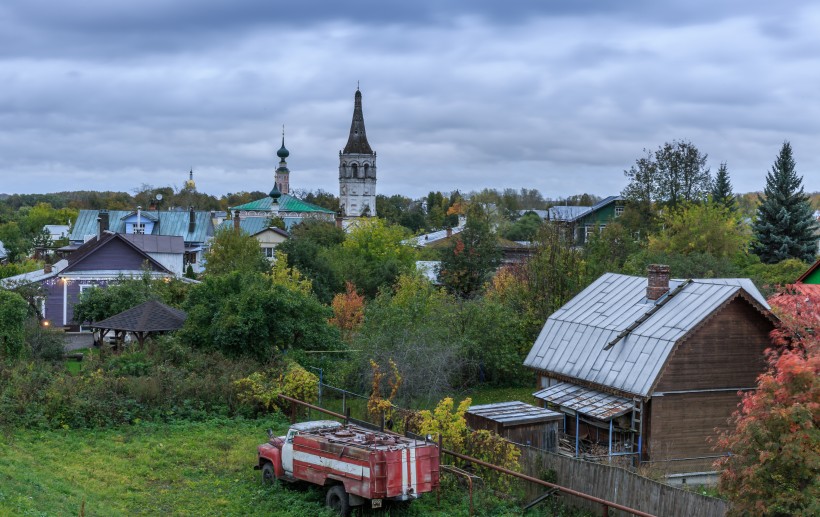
x=514 y=413
x=429 y=238
x=33 y=276
x=156 y=243
x=586 y=401
x=150 y=316
x=571 y=343
x=171 y=222
x=573 y=213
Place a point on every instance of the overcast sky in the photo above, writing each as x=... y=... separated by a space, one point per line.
x=561 y=96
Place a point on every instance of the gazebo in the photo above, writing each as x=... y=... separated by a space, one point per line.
x=151 y=317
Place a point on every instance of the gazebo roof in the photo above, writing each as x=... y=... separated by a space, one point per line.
x=151 y=316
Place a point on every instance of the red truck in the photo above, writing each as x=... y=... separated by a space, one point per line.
x=357 y=465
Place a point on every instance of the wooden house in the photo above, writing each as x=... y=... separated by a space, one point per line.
x=650 y=367
x=518 y=422
x=811 y=276
x=195 y=227
x=100 y=261
x=584 y=221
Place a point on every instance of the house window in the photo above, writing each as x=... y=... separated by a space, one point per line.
x=139 y=229
x=588 y=230
x=269 y=252
x=601 y=228
x=619 y=211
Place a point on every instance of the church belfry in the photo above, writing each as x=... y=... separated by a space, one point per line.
x=357 y=169
x=282 y=180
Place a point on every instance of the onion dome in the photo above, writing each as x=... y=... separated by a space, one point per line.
x=275 y=194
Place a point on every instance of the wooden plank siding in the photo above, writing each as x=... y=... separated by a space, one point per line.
x=726 y=352
x=113 y=256
x=682 y=425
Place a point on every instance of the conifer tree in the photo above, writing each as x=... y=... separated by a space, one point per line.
x=722 y=189
x=784 y=227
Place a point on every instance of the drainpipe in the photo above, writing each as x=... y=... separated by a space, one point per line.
x=577 y=430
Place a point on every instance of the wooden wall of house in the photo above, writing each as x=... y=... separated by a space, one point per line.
x=682 y=425
x=113 y=256
x=726 y=352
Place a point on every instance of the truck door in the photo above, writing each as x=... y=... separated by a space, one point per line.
x=287 y=452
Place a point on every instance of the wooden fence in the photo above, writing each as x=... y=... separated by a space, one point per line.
x=617 y=485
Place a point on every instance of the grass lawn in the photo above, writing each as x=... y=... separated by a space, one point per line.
x=196 y=469
x=177 y=469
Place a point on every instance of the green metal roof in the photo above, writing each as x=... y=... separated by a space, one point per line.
x=287 y=203
x=252 y=225
x=168 y=222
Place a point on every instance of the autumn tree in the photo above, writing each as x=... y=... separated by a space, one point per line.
x=784 y=226
x=700 y=228
x=348 y=311
x=774 y=465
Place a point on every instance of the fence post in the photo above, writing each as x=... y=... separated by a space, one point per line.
x=344 y=400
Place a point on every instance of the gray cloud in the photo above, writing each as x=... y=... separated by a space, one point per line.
x=107 y=95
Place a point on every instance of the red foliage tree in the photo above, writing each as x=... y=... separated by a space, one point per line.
x=774 y=463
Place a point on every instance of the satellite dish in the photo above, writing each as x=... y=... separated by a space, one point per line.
x=159 y=197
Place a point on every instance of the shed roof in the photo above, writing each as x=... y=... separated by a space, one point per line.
x=802 y=278
x=585 y=401
x=151 y=316
x=134 y=241
x=573 y=340
x=514 y=413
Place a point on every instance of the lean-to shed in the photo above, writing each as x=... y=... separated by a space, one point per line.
x=518 y=422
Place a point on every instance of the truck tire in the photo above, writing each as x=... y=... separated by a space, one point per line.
x=268 y=475
x=337 y=500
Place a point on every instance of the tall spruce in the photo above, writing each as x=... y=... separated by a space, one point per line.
x=784 y=227
x=722 y=189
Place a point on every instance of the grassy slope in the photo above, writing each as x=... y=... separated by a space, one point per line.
x=182 y=469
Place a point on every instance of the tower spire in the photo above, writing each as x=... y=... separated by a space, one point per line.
x=357 y=140
x=282 y=173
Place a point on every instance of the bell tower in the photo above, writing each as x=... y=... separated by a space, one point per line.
x=357 y=169
x=283 y=173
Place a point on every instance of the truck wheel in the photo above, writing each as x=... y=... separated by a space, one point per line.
x=268 y=476
x=338 y=501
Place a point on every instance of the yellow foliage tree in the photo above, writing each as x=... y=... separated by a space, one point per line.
x=262 y=389
x=377 y=404
x=348 y=311
x=447 y=422
x=288 y=277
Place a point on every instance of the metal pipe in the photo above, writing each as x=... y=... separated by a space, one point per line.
x=606 y=504
x=577 y=430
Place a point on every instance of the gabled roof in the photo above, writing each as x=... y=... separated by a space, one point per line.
x=151 y=316
x=90 y=247
x=572 y=342
x=571 y=214
x=253 y=226
x=814 y=267
x=287 y=203
x=168 y=222
x=146 y=214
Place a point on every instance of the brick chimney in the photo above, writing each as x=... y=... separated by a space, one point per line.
x=47 y=268
x=339 y=219
x=102 y=223
x=236 y=222
x=658 y=281
x=449 y=232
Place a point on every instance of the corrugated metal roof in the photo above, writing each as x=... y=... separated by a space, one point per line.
x=287 y=203
x=253 y=225
x=572 y=341
x=514 y=413
x=567 y=213
x=156 y=243
x=33 y=276
x=169 y=222
x=587 y=401
x=429 y=238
